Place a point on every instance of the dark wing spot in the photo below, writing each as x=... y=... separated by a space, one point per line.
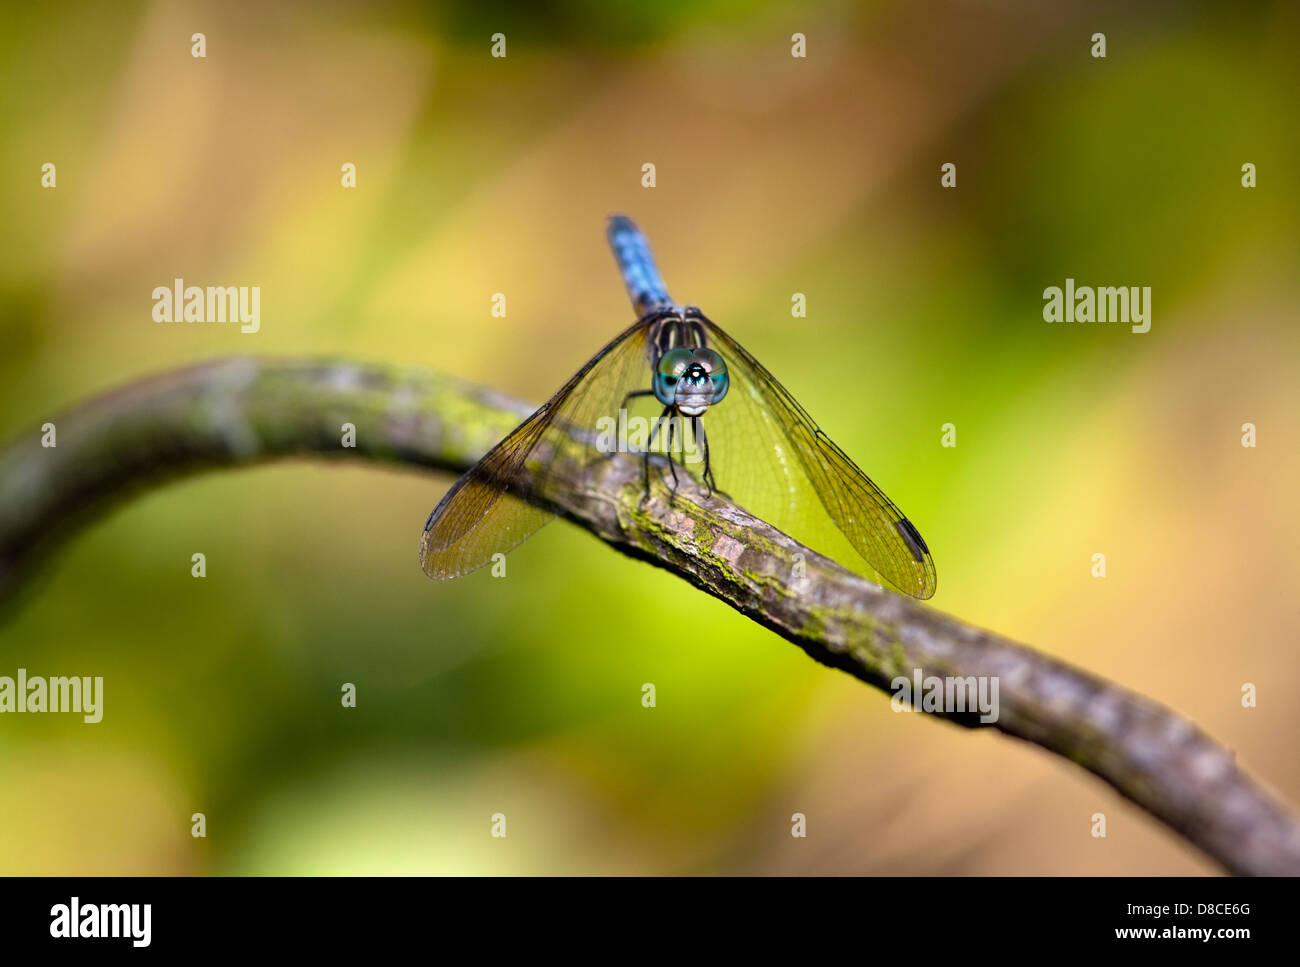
x=912 y=538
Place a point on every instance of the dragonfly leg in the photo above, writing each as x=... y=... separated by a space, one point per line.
x=649 y=446
x=632 y=394
x=672 y=425
x=702 y=440
x=645 y=463
x=708 y=470
x=645 y=474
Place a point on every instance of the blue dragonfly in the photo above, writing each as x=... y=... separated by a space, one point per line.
x=679 y=370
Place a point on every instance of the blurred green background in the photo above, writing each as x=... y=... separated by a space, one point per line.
x=775 y=175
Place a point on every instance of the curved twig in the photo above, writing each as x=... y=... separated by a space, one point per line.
x=243 y=410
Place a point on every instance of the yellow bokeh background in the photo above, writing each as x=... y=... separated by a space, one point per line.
x=774 y=175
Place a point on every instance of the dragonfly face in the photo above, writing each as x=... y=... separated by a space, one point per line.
x=690 y=380
x=772 y=458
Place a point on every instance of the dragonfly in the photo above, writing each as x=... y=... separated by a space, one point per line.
x=702 y=395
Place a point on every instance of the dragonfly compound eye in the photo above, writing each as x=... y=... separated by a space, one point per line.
x=716 y=370
x=671 y=366
x=702 y=383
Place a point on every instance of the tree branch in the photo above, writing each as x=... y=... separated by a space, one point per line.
x=244 y=410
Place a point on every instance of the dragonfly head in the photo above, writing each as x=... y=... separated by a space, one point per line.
x=691 y=380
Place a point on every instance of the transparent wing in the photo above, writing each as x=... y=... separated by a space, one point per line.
x=485 y=512
x=770 y=457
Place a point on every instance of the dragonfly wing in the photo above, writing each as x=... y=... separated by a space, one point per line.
x=799 y=457
x=479 y=516
x=489 y=511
